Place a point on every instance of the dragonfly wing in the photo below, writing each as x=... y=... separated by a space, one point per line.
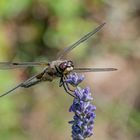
x=81 y=40
x=80 y=70
x=13 y=65
x=21 y=84
x=4 y=94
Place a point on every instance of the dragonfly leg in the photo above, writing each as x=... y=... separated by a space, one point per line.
x=68 y=85
x=67 y=90
x=62 y=83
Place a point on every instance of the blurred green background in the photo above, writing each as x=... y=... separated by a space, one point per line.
x=35 y=30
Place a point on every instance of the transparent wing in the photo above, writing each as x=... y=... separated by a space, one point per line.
x=20 y=85
x=13 y=65
x=4 y=94
x=80 y=70
x=81 y=40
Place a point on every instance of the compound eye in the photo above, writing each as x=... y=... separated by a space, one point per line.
x=63 y=66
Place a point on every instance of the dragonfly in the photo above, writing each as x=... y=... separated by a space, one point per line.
x=59 y=68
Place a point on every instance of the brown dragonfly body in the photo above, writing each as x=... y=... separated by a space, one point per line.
x=54 y=69
x=58 y=68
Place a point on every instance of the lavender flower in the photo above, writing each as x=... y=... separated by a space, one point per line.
x=75 y=79
x=83 y=120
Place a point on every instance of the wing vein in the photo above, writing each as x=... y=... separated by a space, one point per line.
x=13 y=65
x=94 y=69
x=81 y=40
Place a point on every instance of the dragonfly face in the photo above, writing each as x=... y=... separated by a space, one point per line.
x=66 y=67
x=58 y=68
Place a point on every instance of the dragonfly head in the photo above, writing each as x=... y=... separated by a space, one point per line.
x=66 y=67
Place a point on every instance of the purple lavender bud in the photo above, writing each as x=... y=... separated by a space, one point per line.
x=74 y=79
x=83 y=120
